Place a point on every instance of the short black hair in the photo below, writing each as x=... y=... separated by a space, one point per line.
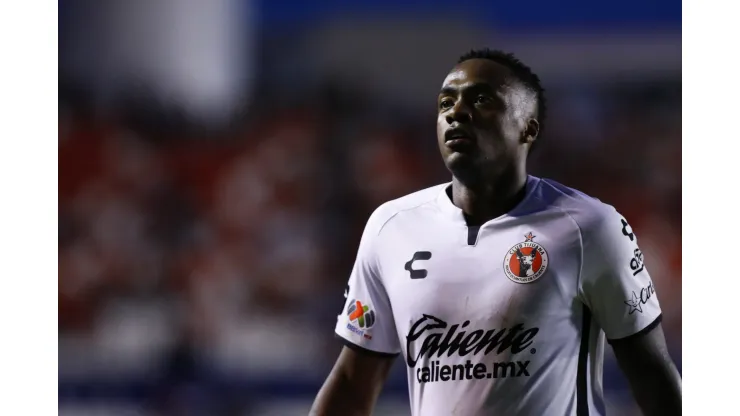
x=529 y=79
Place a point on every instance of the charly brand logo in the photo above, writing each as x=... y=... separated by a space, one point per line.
x=409 y=266
x=627 y=230
x=431 y=338
x=361 y=318
x=526 y=261
x=635 y=303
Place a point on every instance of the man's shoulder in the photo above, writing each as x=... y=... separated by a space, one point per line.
x=588 y=212
x=390 y=209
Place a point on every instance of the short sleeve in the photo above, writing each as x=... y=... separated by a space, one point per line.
x=615 y=284
x=366 y=321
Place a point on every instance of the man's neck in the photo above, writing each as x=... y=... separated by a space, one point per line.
x=490 y=198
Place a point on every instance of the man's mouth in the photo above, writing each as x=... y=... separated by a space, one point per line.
x=458 y=138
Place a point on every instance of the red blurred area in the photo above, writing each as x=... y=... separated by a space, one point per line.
x=246 y=224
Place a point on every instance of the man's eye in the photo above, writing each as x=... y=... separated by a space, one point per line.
x=482 y=99
x=445 y=104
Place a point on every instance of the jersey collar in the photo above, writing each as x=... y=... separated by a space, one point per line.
x=456 y=214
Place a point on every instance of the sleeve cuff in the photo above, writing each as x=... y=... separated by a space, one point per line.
x=641 y=332
x=351 y=345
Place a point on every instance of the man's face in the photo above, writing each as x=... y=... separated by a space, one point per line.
x=485 y=118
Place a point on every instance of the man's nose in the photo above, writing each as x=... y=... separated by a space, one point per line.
x=459 y=113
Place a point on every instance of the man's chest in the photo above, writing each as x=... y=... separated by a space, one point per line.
x=496 y=275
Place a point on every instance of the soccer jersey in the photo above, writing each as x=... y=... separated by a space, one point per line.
x=509 y=318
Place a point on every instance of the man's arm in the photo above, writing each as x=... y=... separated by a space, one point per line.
x=368 y=329
x=616 y=286
x=652 y=375
x=354 y=384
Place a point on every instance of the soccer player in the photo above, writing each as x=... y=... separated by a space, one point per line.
x=499 y=290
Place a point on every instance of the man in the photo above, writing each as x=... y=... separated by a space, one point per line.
x=499 y=289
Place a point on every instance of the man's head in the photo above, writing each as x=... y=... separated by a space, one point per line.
x=491 y=110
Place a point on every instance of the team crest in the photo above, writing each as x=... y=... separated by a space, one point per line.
x=526 y=261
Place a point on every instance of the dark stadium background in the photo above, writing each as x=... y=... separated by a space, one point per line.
x=218 y=160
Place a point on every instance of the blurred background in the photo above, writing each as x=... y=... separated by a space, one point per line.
x=218 y=160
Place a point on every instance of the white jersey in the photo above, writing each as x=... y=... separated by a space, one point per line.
x=509 y=318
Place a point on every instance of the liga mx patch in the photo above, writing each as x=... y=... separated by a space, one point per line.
x=361 y=318
x=526 y=261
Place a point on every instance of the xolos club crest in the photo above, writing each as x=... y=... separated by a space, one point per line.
x=526 y=261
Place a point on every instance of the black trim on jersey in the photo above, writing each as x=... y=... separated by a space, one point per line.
x=644 y=331
x=349 y=344
x=473 y=234
x=582 y=377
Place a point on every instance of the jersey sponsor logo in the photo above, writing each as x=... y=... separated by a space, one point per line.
x=635 y=303
x=526 y=261
x=471 y=371
x=431 y=338
x=637 y=263
x=361 y=318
